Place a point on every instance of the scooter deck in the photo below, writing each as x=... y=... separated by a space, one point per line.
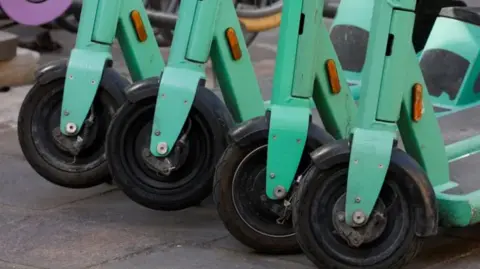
x=459 y=200
x=465 y=172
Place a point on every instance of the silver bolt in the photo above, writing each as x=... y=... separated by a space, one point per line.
x=66 y=113
x=274 y=137
x=279 y=192
x=93 y=81
x=70 y=77
x=157 y=133
x=272 y=175
x=358 y=217
x=71 y=128
x=380 y=166
x=357 y=199
x=355 y=161
x=162 y=147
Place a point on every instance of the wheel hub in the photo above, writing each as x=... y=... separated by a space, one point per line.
x=280 y=208
x=74 y=144
x=371 y=229
x=175 y=160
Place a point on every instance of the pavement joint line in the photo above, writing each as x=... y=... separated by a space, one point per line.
x=25 y=266
x=165 y=247
x=208 y=243
x=424 y=252
x=52 y=209
x=281 y=257
x=81 y=199
x=453 y=259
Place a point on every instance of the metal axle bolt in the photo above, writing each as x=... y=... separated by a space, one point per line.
x=279 y=192
x=71 y=128
x=162 y=147
x=358 y=217
x=272 y=175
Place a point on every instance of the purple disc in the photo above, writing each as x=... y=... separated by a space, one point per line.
x=28 y=13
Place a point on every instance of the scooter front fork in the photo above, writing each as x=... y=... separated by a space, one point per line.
x=87 y=62
x=184 y=73
x=286 y=142
x=290 y=111
x=385 y=81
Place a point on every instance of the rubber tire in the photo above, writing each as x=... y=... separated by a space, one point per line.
x=73 y=180
x=307 y=241
x=219 y=121
x=225 y=170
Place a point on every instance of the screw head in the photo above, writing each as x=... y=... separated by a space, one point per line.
x=66 y=113
x=71 y=128
x=357 y=199
x=157 y=133
x=162 y=147
x=272 y=175
x=358 y=217
x=279 y=192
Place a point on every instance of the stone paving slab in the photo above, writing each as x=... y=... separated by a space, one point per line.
x=103 y=228
x=180 y=257
x=46 y=227
x=23 y=188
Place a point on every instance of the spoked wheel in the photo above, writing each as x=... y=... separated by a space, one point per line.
x=69 y=161
x=386 y=240
x=256 y=221
x=180 y=180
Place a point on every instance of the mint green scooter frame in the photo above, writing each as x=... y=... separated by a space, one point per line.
x=300 y=76
x=101 y=22
x=387 y=102
x=204 y=25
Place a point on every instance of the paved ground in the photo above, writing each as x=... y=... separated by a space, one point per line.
x=44 y=226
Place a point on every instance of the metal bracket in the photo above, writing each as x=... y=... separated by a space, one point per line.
x=286 y=142
x=84 y=73
x=178 y=87
x=369 y=162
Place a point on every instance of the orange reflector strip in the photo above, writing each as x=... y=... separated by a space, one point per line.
x=233 y=43
x=417 y=102
x=332 y=73
x=138 y=25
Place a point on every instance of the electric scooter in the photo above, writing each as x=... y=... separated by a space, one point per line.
x=63 y=119
x=253 y=179
x=365 y=203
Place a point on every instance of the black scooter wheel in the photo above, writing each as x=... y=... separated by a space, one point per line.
x=68 y=161
x=188 y=175
x=259 y=223
x=386 y=240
